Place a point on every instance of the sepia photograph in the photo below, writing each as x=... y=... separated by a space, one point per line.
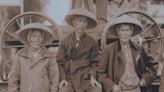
x=81 y=46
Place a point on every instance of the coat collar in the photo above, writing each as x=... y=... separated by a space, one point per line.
x=134 y=48
x=25 y=52
x=131 y=44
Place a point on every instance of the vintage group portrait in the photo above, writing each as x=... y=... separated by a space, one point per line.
x=81 y=46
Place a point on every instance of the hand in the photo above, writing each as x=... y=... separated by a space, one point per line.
x=63 y=83
x=142 y=83
x=95 y=83
x=116 y=88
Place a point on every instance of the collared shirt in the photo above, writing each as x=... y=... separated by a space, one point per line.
x=130 y=77
x=36 y=54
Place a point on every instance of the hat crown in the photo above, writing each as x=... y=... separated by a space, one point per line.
x=92 y=21
x=125 y=19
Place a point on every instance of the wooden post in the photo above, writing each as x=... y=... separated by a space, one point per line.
x=101 y=6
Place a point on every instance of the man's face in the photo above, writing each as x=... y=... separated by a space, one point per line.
x=35 y=39
x=80 y=23
x=124 y=32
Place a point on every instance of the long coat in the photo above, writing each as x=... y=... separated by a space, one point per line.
x=161 y=87
x=77 y=62
x=28 y=75
x=112 y=65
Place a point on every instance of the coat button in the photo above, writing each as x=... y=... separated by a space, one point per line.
x=45 y=77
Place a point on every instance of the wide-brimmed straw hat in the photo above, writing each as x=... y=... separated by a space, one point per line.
x=24 y=30
x=92 y=21
x=124 y=19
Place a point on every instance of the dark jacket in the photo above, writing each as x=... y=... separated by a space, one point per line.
x=161 y=87
x=78 y=63
x=112 y=65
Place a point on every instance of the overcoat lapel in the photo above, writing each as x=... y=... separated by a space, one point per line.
x=119 y=62
x=26 y=53
x=135 y=53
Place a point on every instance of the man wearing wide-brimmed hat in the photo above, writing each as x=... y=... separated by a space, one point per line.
x=78 y=54
x=34 y=69
x=123 y=65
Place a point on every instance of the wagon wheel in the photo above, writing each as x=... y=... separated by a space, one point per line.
x=10 y=43
x=150 y=38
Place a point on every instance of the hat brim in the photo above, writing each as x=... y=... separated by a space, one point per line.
x=136 y=29
x=125 y=19
x=23 y=33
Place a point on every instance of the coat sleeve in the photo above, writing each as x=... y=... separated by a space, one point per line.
x=94 y=59
x=14 y=78
x=103 y=77
x=161 y=87
x=61 y=59
x=53 y=75
x=148 y=69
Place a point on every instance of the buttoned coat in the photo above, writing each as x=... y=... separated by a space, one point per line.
x=78 y=62
x=112 y=65
x=28 y=75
